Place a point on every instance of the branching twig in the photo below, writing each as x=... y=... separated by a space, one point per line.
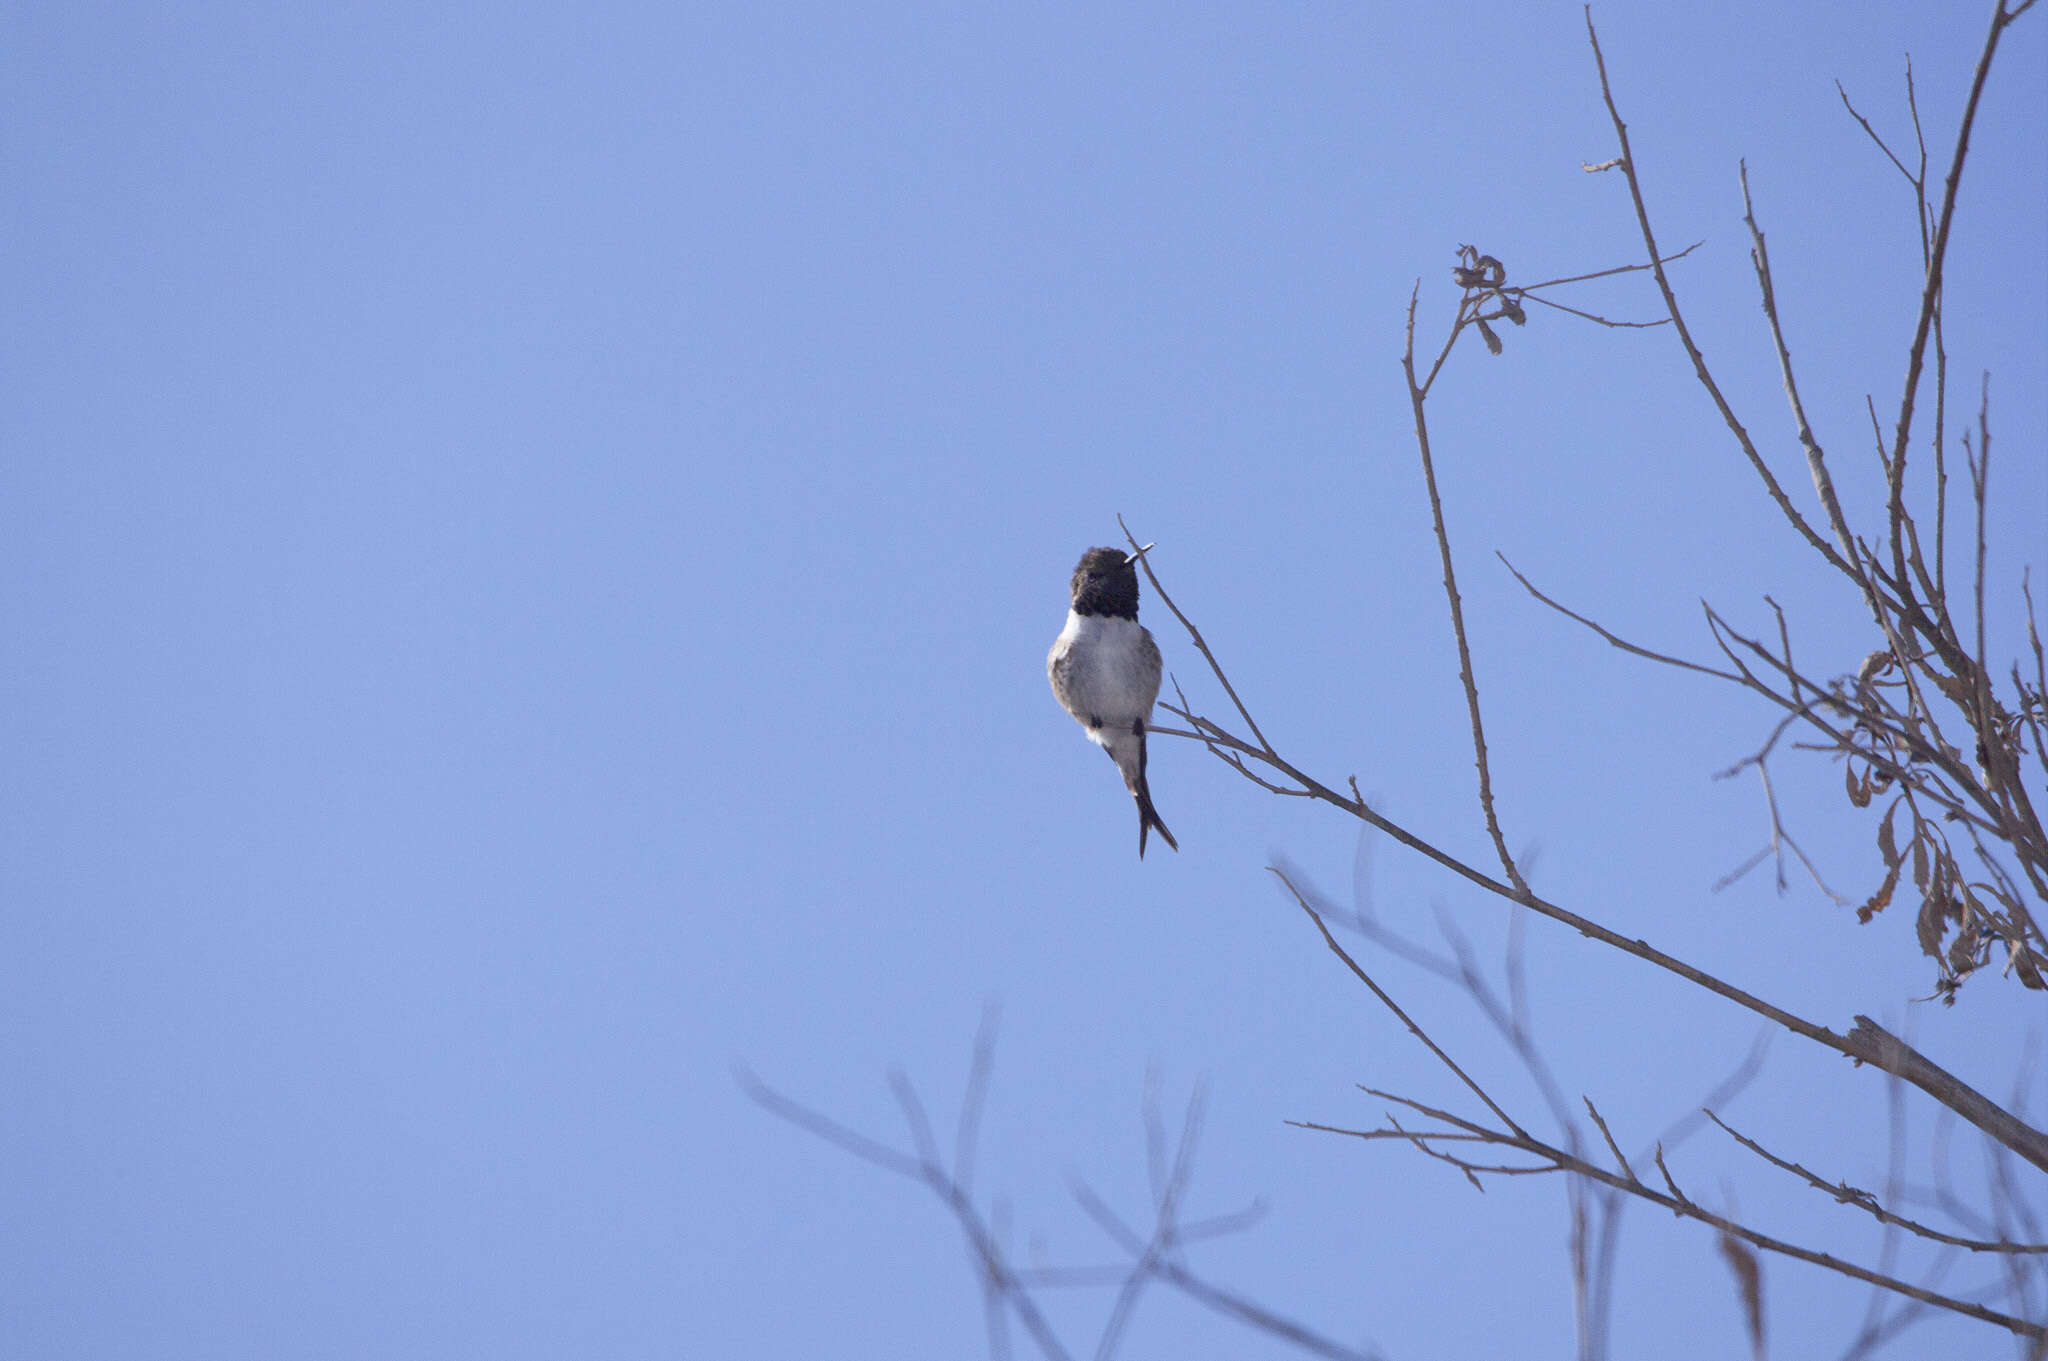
x=1674 y=1199
x=1860 y=1046
x=1417 y=395
x=1692 y=350
x=1007 y=1290
x=1863 y=1200
x=1413 y=1029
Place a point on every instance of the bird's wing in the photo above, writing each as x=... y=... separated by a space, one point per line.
x=1154 y=668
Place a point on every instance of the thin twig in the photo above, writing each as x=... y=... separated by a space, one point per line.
x=1167 y=1194
x=1612 y=638
x=1600 y=320
x=967 y=1135
x=1930 y=296
x=1816 y=460
x=1620 y=1158
x=1417 y=1031
x=1863 y=1200
x=1679 y=1204
x=1699 y=362
x=1914 y=1067
x=1196 y=635
x=987 y=1252
x=1222 y=1301
x=1606 y=273
x=1417 y=397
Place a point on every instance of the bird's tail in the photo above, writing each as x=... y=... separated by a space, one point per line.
x=1134 y=780
x=1148 y=818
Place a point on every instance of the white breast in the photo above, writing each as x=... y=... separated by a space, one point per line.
x=1106 y=664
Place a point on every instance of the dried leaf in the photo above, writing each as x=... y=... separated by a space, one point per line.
x=1885 y=845
x=1880 y=899
x=1853 y=787
x=1919 y=860
x=1486 y=334
x=2005 y=899
x=1962 y=952
x=1749 y=1287
x=1932 y=924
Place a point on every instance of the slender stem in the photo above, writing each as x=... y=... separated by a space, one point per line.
x=1417 y=402
x=1699 y=362
x=1684 y=1206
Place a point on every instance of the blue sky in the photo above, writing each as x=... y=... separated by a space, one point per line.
x=530 y=535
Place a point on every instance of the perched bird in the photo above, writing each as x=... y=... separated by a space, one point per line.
x=1105 y=671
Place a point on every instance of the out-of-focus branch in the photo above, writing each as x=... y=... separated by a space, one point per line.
x=989 y=1258
x=1390 y=1005
x=1008 y=1289
x=1225 y=1302
x=1444 y=1145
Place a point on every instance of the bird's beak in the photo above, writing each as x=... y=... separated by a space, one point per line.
x=1139 y=554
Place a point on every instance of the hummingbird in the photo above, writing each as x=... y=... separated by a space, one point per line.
x=1105 y=670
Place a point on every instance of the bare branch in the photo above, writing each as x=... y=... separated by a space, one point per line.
x=997 y=1278
x=1890 y=155
x=1699 y=362
x=1917 y=1070
x=1620 y=1158
x=1388 y=1002
x=1600 y=320
x=1466 y=674
x=1612 y=638
x=1606 y=273
x=968 y=1134
x=1865 y=1201
x=1195 y=635
x=1221 y=1301
x=1678 y=1203
x=1874 y=1044
x=1816 y=461
x=826 y=1128
x=1167 y=1192
x=1930 y=296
